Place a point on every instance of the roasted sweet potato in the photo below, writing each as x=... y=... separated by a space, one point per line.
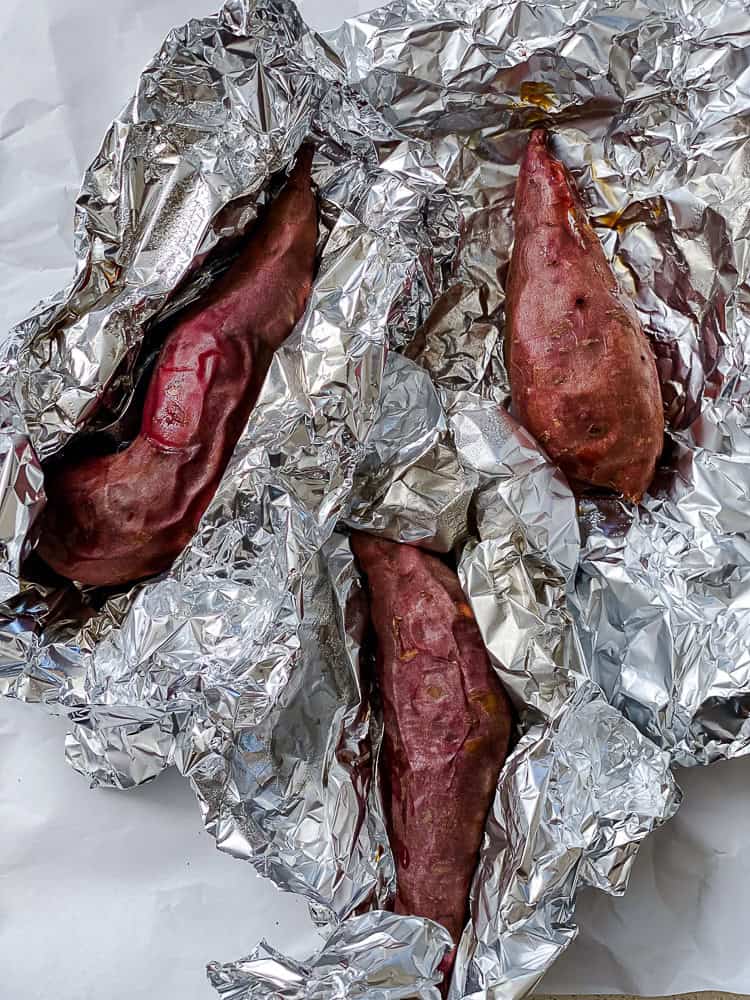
x=447 y=724
x=119 y=517
x=583 y=377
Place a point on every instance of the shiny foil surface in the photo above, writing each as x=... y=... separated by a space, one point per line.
x=648 y=103
x=617 y=630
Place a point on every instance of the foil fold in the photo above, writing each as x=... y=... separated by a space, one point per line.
x=618 y=631
x=237 y=666
x=574 y=801
x=378 y=955
x=659 y=596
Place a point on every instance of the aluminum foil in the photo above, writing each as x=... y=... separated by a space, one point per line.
x=378 y=955
x=647 y=101
x=591 y=787
x=574 y=800
x=241 y=665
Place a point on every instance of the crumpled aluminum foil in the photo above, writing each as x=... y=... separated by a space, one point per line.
x=574 y=800
x=241 y=665
x=592 y=788
x=379 y=955
x=646 y=100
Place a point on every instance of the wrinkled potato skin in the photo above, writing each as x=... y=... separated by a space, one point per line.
x=116 y=518
x=447 y=725
x=583 y=377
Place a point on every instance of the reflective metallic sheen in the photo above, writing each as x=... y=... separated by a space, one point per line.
x=574 y=801
x=242 y=665
x=378 y=955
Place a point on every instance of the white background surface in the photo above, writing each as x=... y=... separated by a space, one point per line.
x=123 y=895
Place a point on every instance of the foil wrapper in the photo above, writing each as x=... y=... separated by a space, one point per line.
x=646 y=101
x=377 y=955
x=574 y=800
x=238 y=666
x=617 y=630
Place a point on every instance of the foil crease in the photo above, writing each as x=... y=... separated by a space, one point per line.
x=240 y=665
x=384 y=411
x=281 y=775
x=412 y=485
x=574 y=801
x=646 y=100
x=516 y=571
x=379 y=955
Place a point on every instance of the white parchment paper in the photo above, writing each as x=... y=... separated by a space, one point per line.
x=97 y=884
x=110 y=894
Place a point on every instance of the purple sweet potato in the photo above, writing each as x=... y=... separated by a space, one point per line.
x=119 y=517
x=583 y=377
x=447 y=725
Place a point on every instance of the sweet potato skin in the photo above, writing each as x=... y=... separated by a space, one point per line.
x=583 y=377
x=447 y=725
x=116 y=518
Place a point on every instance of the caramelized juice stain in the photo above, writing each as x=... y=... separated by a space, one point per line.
x=614 y=220
x=539 y=93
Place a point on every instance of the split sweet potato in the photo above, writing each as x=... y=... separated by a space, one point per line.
x=583 y=377
x=114 y=518
x=447 y=725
